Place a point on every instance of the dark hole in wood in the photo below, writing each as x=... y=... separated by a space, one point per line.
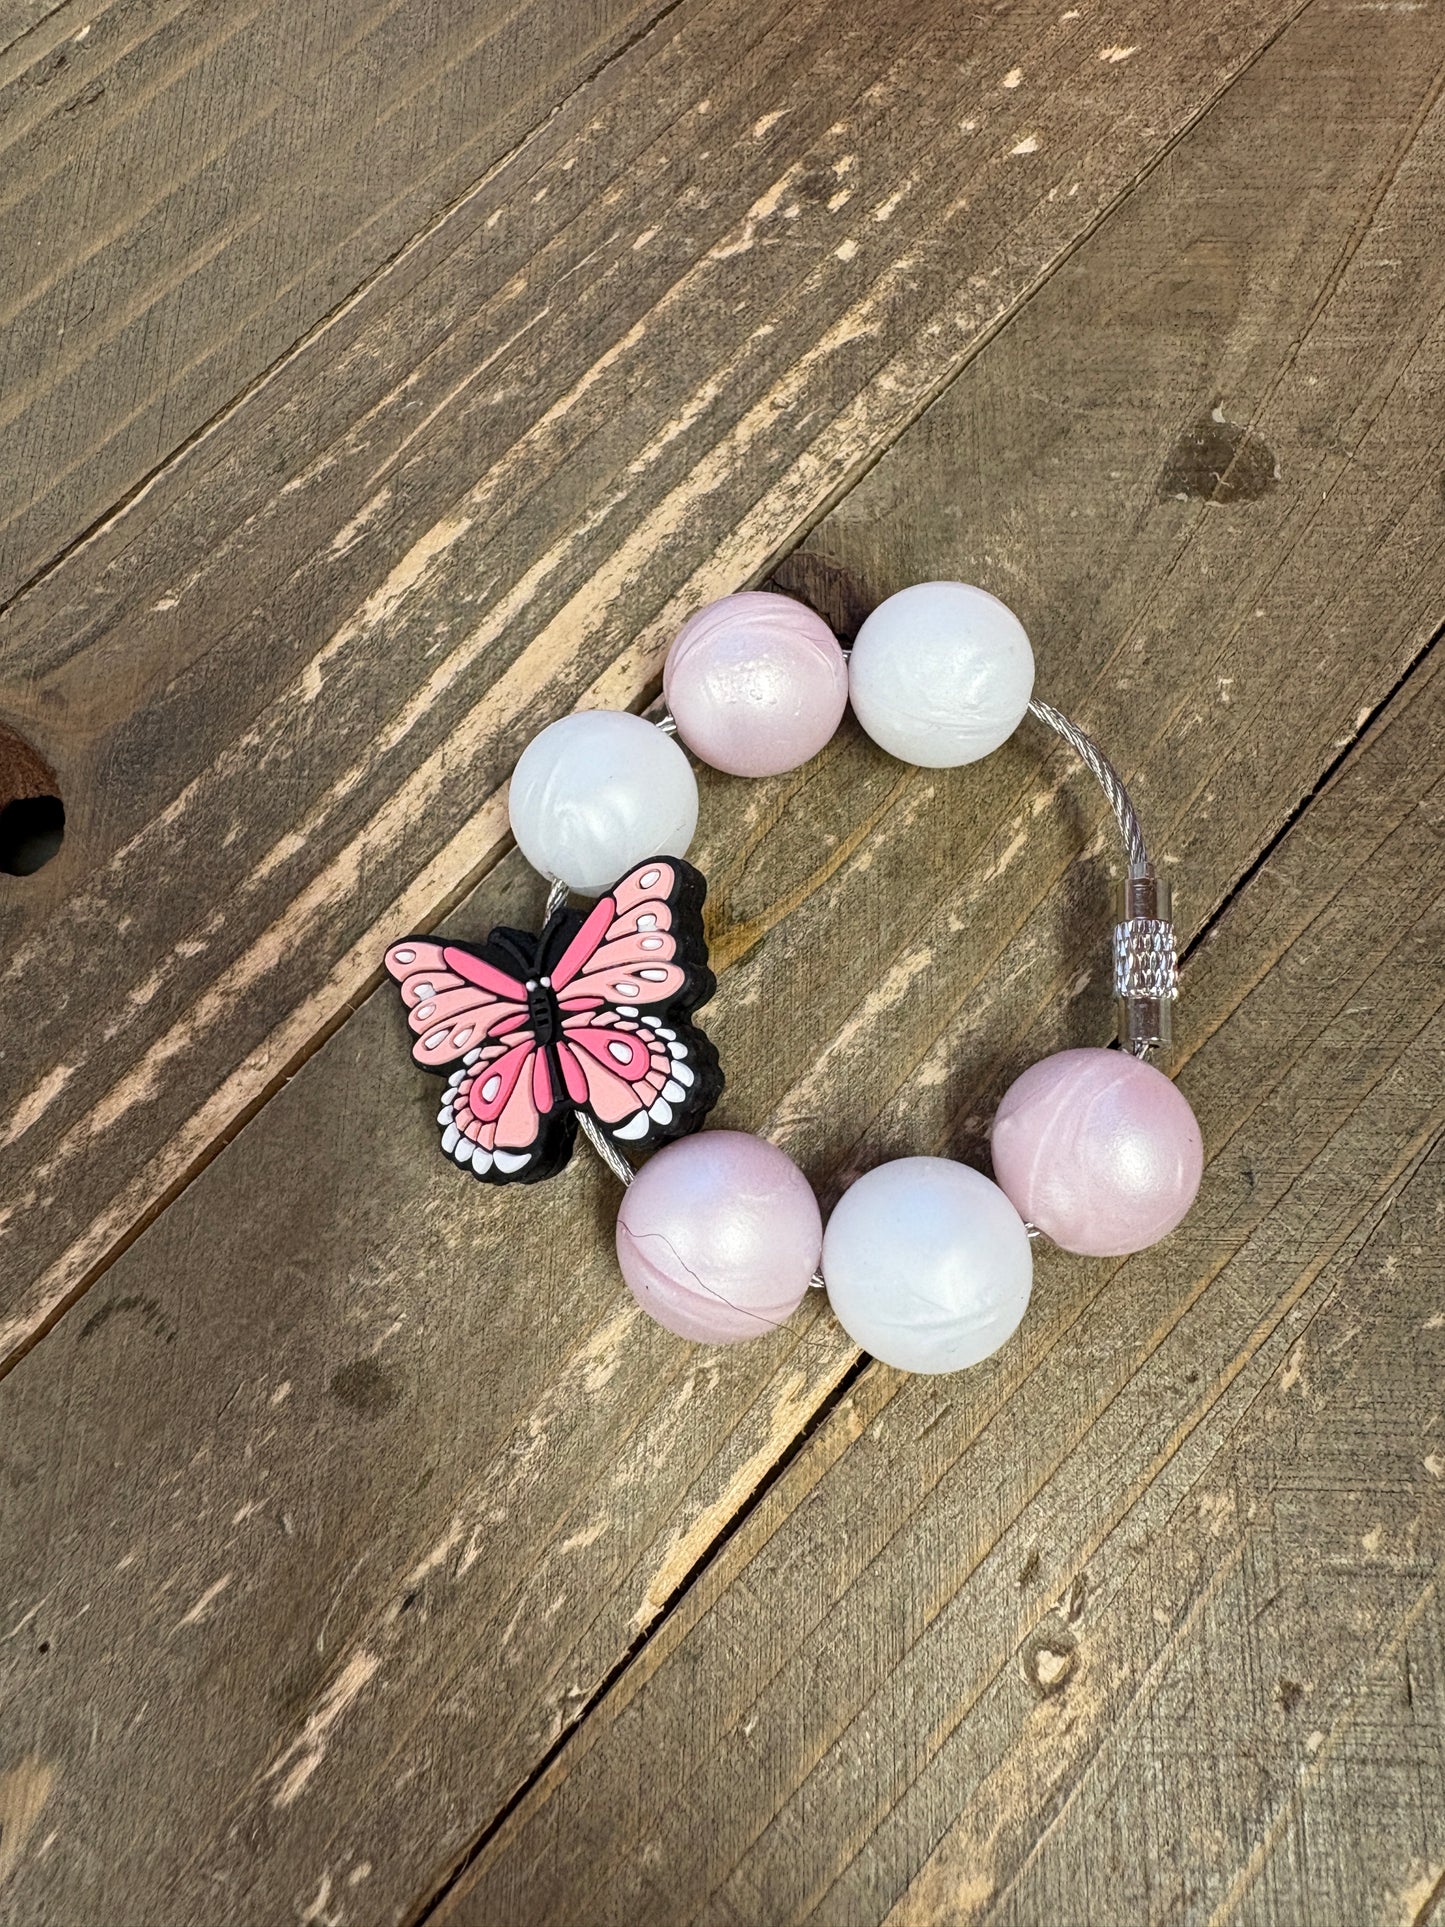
x=32 y=816
x=32 y=829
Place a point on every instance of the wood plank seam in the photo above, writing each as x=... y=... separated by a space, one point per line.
x=325 y=323
x=1352 y=1238
x=1367 y=726
x=1328 y=775
x=432 y=1901
x=1249 y=1873
x=870 y=461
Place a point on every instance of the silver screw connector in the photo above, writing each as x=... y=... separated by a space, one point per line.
x=1146 y=972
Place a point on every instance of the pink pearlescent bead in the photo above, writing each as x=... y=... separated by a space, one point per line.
x=1099 y=1150
x=718 y=1236
x=756 y=683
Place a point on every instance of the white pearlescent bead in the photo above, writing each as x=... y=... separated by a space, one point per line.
x=928 y=1265
x=941 y=674
x=598 y=792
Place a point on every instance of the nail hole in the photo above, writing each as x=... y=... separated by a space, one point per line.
x=32 y=829
x=32 y=816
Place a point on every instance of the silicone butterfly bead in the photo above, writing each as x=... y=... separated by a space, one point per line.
x=594 y=1015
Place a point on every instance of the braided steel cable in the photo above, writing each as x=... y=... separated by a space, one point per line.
x=1109 y=781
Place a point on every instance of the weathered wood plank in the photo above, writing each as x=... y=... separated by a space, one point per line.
x=19 y=18
x=372 y=1483
x=185 y=190
x=336 y=639
x=1295 y=1582
x=1074 y=1636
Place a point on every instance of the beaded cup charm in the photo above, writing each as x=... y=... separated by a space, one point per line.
x=593 y=1018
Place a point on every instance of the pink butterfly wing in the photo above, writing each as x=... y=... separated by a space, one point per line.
x=496 y=1100
x=455 y=1001
x=628 y=1072
x=624 y=953
x=498 y=1106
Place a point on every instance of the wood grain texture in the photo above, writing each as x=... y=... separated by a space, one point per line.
x=186 y=190
x=1097 y=1631
x=617 y=379
x=343 y=1498
x=20 y=19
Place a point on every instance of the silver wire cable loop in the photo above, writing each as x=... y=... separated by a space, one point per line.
x=1146 y=970
x=1108 y=778
x=605 y=1149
